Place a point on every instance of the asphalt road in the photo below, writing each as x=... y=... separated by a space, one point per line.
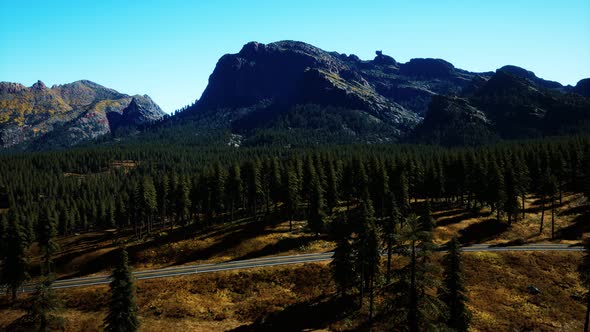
x=274 y=261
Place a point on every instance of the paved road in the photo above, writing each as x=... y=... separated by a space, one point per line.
x=274 y=261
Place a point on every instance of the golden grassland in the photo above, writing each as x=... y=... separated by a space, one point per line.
x=303 y=297
x=265 y=298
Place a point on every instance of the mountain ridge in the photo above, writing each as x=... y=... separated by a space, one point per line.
x=67 y=114
x=247 y=84
x=291 y=91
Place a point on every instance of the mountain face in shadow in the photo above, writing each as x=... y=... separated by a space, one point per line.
x=267 y=86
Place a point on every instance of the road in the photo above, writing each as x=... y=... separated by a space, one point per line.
x=274 y=261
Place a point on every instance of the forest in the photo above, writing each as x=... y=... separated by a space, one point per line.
x=358 y=195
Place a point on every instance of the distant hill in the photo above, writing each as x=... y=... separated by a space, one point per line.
x=69 y=114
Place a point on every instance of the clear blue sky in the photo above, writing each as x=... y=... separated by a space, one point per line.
x=169 y=48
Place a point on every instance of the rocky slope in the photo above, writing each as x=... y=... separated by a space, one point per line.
x=69 y=114
x=261 y=85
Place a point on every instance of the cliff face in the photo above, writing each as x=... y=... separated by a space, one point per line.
x=68 y=114
x=252 y=88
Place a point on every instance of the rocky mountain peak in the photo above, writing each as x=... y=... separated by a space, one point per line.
x=583 y=87
x=39 y=86
x=9 y=87
x=384 y=60
x=529 y=75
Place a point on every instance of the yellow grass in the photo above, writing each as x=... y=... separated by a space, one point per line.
x=223 y=301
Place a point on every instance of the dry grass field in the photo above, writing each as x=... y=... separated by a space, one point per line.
x=302 y=297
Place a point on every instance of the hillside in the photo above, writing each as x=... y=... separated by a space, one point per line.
x=67 y=115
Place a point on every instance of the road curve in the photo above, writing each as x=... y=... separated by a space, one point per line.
x=273 y=261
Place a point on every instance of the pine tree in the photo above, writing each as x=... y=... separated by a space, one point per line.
x=343 y=265
x=145 y=204
x=3 y=231
x=584 y=271
x=522 y=180
x=183 y=201
x=46 y=233
x=390 y=229
x=123 y=311
x=275 y=182
x=495 y=191
x=163 y=195
x=453 y=291
x=332 y=188
x=548 y=189
x=510 y=204
x=216 y=188
x=379 y=187
x=14 y=260
x=411 y=303
x=316 y=218
x=368 y=252
x=253 y=184
x=44 y=307
x=292 y=197
x=234 y=189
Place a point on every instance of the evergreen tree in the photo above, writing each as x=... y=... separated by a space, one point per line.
x=216 y=188
x=14 y=260
x=123 y=311
x=163 y=195
x=343 y=264
x=584 y=271
x=332 y=187
x=44 y=307
x=390 y=229
x=145 y=205
x=253 y=184
x=495 y=191
x=521 y=173
x=379 y=187
x=368 y=252
x=411 y=302
x=183 y=201
x=453 y=291
x=275 y=181
x=234 y=189
x=510 y=204
x=317 y=216
x=46 y=233
x=292 y=197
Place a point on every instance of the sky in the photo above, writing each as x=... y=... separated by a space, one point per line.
x=168 y=48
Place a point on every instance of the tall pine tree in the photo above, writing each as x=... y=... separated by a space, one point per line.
x=122 y=315
x=453 y=291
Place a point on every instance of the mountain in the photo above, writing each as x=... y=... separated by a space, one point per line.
x=291 y=89
x=69 y=114
x=291 y=93
x=256 y=87
x=453 y=121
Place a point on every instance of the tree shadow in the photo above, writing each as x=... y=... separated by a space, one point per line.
x=574 y=210
x=281 y=246
x=314 y=314
x=459 y=218
x=486 y=230
x=447 y=213
x=575 y=231
x=231 y=240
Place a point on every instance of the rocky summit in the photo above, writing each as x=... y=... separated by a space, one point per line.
x=69 y=114
x=259 y=86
